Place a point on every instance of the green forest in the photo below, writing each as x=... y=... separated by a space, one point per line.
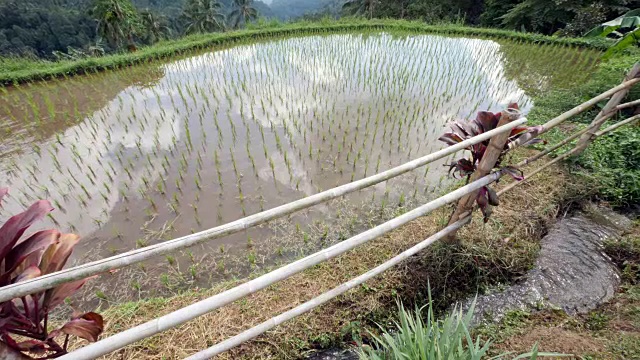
x=77 y=28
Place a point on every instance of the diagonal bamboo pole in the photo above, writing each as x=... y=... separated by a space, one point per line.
x=489 y=159
x=607 y=112
x=323 y=298
x=618 y=124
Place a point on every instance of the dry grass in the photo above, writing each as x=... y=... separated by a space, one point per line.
x=489 y=254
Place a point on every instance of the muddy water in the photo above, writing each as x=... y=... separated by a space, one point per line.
x=145 y=154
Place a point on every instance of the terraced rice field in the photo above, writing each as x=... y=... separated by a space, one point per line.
x=157 y=151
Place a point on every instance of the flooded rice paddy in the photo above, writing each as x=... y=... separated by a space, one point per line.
x=153 y=152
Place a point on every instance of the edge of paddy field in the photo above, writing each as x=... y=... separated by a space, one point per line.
x=489 y=256
x=15 y=71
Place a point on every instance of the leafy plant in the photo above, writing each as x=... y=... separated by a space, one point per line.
x=486 y=121
x=625 y=28
x=24 y=321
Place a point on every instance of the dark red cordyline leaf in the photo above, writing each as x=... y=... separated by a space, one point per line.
x=519 y=130
x=36 y=242
x=28 y=273
x=34 y=346
x=13 y=229
x=463 y=166
x=487 y=120
x=492 y=196
x=483 y=203
x=54 y=297
x=450 y=138
x=88 y=326
x=9 y=353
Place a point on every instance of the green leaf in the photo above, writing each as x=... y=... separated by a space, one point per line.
x=630 y=22
x=630 y=39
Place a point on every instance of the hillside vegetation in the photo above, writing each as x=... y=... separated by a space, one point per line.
x=73 y=28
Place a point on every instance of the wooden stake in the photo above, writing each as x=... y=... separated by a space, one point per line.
x=489 y=159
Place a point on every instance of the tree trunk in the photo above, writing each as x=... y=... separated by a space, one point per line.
x=131 y=45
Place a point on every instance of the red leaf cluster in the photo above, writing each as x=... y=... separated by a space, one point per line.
x=24 y=258
x=485 y=121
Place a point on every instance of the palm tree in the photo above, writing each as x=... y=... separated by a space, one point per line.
x=203 y=16
x=360 y=7
x=155 y=27
x=243 y=12
x=117 y=21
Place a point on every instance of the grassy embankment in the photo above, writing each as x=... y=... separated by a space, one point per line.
x=489 y=254
x=17 y=70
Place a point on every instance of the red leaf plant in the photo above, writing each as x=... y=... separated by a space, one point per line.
x=485 y=121
x=23 y=321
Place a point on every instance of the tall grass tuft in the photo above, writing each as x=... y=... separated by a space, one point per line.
x=418 y=338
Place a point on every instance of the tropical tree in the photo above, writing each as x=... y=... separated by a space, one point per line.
x=242 y=13
x=154 y=27
x=203 y=16
x=118 y=21
x=360 y=7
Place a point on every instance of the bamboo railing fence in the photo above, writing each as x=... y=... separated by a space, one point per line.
x=462 y=216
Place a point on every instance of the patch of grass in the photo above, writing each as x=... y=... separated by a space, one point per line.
x=420 y=336
x=625 y=253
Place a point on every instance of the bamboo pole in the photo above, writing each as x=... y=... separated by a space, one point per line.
x=534 y=172
x=202 y=307
x=609 y=109
x=565 y=155
x=628 y=105
x=553 y=148
x=617 y=125
x=135 y=256
x=489 y=159
x=325 y=297
x=587 y=105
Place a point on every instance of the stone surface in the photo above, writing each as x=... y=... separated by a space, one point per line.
x=335 y=354
x=572 y=271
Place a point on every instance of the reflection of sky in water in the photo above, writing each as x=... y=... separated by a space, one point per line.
x=320 y=92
